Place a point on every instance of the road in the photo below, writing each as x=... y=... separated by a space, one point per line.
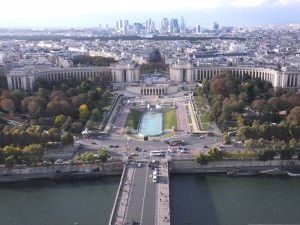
x=142 y=198
x=194 y=145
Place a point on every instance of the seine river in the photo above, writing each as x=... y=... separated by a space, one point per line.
x=221 y=200
x=195 y=199
x=57 y=203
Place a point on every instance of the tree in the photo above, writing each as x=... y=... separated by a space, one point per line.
x=205 y=86
x=54 y=134
x=42 y=93
x=34 y=153
x=84 y=112
x=266 y=154
x=102 y=153
x=216 y=109
x=201 y=159
x=97 y=116
x=226 y=138
x=199 y=91
x=8 y=105
x=214 y=154
x=276 y=104
x=259 y=106
x=294 y=116
x=67 y=139
x=60 y=120
x=286 y=152
x=88 y=157
x=223 y=85
x=9 y=161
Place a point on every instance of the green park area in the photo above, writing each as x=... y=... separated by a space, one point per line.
x=133 y=119
x=170 y=119
x=200 y=103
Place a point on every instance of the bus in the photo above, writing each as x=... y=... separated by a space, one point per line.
x=157 y=153
x=176 y=142
x=154 y=176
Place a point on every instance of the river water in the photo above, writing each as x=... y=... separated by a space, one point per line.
x=57 y=203
x=221 y=200
x=197 y=199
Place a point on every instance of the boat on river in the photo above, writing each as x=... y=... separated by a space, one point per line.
x=242 y=172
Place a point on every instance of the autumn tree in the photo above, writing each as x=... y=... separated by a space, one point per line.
x=8 y=105
x=259 y=106
x=34 y=153
x=223 y=85
x=294 y=116
x=84 y=112
x=60 y=120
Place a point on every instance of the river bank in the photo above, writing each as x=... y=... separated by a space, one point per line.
x=61 y=171
x=112 y=168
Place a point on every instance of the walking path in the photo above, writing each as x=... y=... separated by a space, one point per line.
x=163 y=207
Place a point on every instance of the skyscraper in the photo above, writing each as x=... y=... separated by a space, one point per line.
x=150 y=26
x=216 y=26
x=198 y=30
x=164 y=25
x=125 y=27
x=174 y=27
x=182 y=25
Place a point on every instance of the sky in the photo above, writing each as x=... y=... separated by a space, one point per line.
x=91 y=13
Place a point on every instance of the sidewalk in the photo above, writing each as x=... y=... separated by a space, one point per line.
x=163 y=196
x=119 y=217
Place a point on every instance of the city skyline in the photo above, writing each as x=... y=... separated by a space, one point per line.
x=91 y=13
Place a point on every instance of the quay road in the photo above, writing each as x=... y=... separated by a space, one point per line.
x=194 y=145
x=140 y=200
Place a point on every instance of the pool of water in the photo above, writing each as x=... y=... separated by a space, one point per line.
x=151 y=124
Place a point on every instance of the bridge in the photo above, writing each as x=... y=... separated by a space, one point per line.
x=139 y=200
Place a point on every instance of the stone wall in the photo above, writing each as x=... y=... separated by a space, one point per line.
x=107 y=168
x=190 y=166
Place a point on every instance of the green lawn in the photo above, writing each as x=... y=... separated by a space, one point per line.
x=200 y=103
x=133 y=119
x=205 y=126
x=170 y=119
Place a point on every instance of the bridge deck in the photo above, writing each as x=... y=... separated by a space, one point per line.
x=139 y=200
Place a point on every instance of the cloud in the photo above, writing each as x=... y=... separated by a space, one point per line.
x=26 y=12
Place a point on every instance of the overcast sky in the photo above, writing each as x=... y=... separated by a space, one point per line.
x=91 y=13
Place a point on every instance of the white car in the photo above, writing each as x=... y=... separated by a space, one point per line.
x=59 y=161
x=139 y=165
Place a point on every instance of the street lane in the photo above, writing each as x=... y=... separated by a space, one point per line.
x=142 y=197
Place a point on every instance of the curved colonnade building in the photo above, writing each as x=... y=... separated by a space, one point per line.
x=288 y=77
x=129 y=72
x=24 y=78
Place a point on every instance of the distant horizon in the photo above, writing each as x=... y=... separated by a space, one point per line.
x=91 y=13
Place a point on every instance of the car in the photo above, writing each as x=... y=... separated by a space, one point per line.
x=171 y=150
x=139 y=165
x=133 y=154
x=111 y=146
x=205 y=146
x=116 y=146
x=59 y=161
x=94 y=143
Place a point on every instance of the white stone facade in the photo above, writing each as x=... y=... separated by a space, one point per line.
x=129 y=72
x=183 y=71
x=24 y=78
